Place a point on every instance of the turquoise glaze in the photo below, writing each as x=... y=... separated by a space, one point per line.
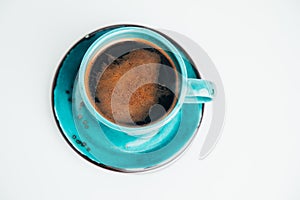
x=118 y=148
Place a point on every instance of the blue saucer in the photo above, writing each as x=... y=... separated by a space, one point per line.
x=106 y=149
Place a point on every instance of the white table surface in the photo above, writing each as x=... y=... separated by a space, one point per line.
x=254 y=44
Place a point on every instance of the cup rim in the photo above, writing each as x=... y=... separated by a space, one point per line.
x=96 y=46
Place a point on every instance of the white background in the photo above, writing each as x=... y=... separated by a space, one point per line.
x=254 y=44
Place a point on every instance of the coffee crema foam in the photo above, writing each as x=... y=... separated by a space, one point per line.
x=131 y=73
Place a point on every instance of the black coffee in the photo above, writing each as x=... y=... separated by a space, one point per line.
x=132 y=83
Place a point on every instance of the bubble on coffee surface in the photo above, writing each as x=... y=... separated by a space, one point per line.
x=115 y=67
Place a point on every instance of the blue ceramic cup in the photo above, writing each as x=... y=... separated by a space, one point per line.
x=114 y=145
x=190 y=90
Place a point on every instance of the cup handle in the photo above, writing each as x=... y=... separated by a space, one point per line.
x=199 y=91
